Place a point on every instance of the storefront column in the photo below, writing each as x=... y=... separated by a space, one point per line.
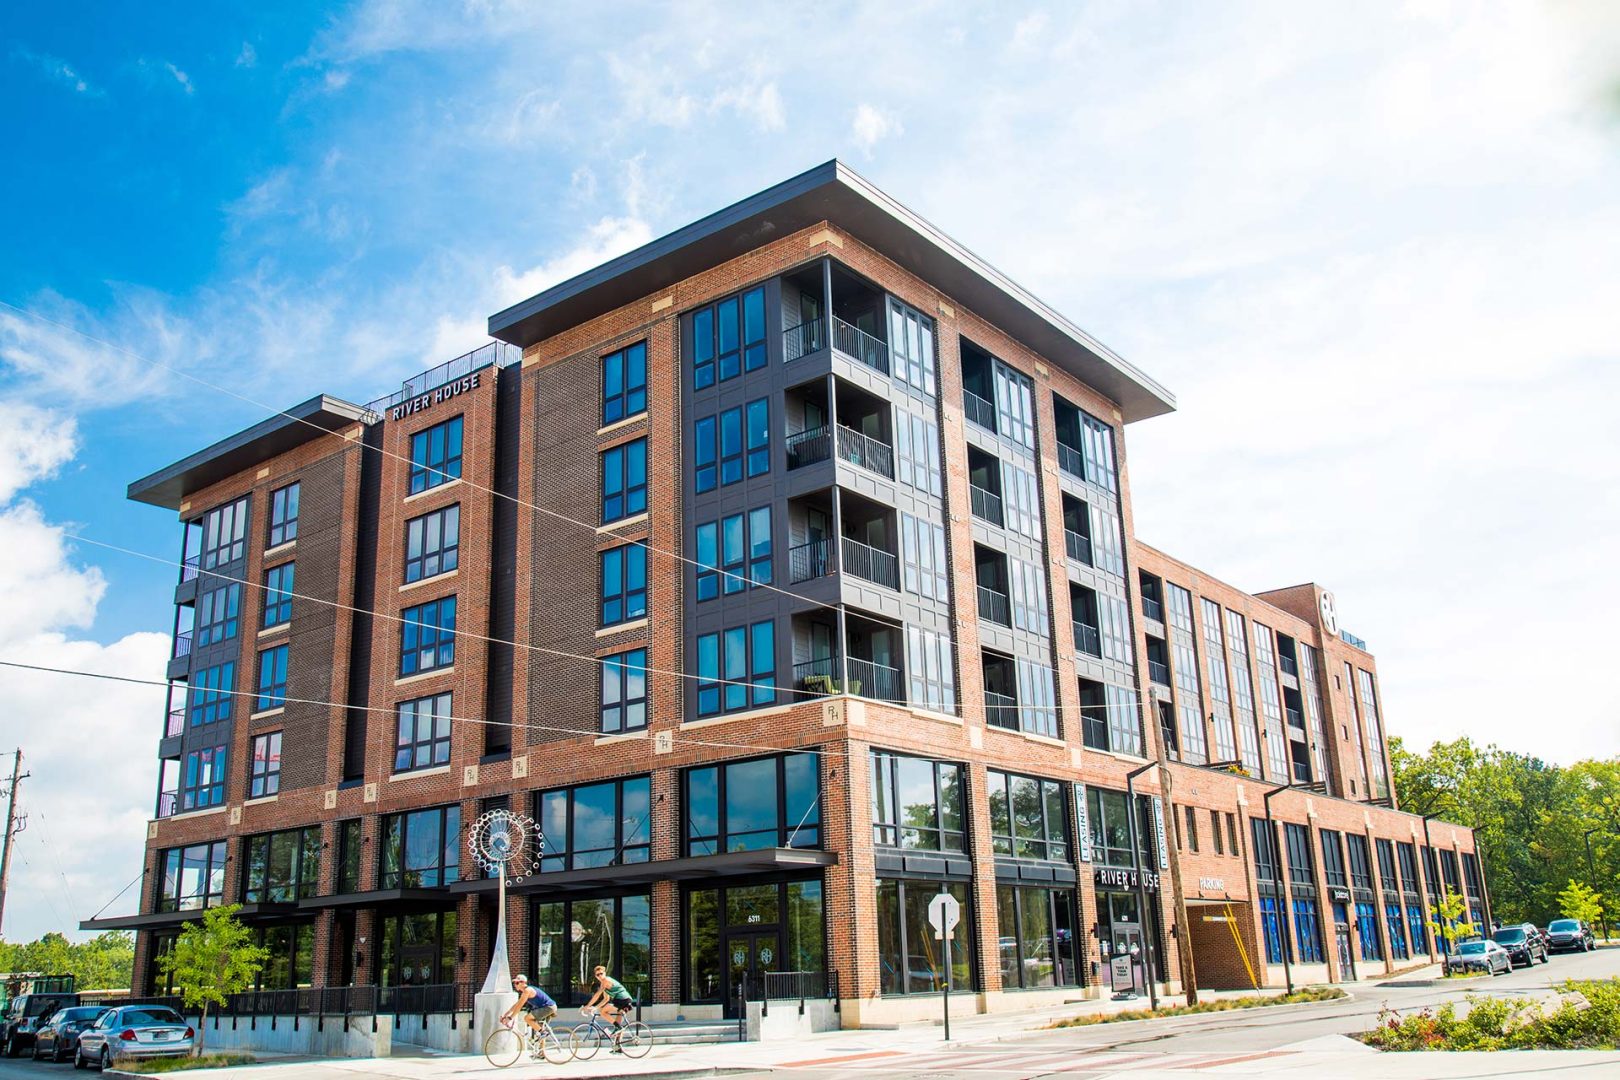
x=668 y=942
x=982 y=851
x=849 y=892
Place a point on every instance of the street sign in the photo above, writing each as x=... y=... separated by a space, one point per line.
x=944 y=912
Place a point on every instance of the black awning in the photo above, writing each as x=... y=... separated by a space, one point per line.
x=382 y=898
x=156 y=920
x=730 y=864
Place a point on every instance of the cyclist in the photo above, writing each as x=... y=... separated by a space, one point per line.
x=614 y=999
x=534 y=1003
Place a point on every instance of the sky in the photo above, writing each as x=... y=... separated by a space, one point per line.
x=1374 y=249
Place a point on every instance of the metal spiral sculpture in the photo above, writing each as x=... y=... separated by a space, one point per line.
x=507 y=845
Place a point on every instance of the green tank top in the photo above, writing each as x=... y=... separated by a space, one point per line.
x=615 y=989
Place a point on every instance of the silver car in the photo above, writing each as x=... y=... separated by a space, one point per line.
x=134 y=1031
x=1486 y=956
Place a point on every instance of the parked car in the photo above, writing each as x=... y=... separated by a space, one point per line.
x=134 y=1031
x=1522 y=942
x=58 y=1037
x=1486 y=956
x=27 y=1013
x=1570 y=935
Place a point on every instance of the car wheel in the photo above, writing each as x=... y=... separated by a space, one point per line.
x=106 y=1059
x=78 y=1059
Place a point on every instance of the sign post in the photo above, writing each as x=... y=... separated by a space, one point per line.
x=944 y=912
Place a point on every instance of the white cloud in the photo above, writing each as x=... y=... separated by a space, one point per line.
x=248 y=57
x=59 y=71
x=34 y=444
x=180 y=77
x=871 y=126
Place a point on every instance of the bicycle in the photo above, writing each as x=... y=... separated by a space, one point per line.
x=505 y=1045
x=633 y=1040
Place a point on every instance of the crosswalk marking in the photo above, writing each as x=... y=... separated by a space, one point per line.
x=1024 y=1062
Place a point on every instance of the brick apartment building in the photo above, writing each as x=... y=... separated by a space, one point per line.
x=783 y=570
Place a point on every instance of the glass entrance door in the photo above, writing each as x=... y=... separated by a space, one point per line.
x=750 y=956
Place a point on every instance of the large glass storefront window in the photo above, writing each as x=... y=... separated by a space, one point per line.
x=421 y=849
x=755 y=804
x=419 y=949
x=916 y=803
x=746 y=931
x=1037 y=941
x=292 y=956
x=910 y=959
x=595 y=824
x=193 y=877
x=282 y=867
x=1028 y=817
x=571 y=937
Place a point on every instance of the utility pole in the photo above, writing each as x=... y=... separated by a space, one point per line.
x=13 y=827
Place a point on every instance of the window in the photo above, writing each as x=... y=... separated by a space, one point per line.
x=1192 y=828
x=911 y=344
x=916 y=445
x=193 y=877
x=423 y=739
x=1028 y=587
x=1098 y=449
x=283 y=515
x=435 y=455
x=931 y=670
x=1114 y=628
x=1184 y=669
x=1037 y=705
x=427 y=637
x=1398 y=948
x=282 y=867
x=624 y=691
x=1037 y=939
x=917 y=803
x=624 y=480
x=432 y=544
x=210 y=694
x=217 y=614
x=595 y=824
x=924 y=569
x=1298 y=838
x=1243 y=694
x=750 y=805
x=1367 y=929
x=278 y=595
x=910 y=959
x=1271 y=918
x=734 y=553
x=349 y=847
x=1375 y=736
x=1265 y=658
x=728 y=338
x=203 y=783
x=1111 y=828
x=1021 y=500
x=1215 y=832
x=225 y=534
x=264 y=773
x=1264 y=842
x=573 y=936
x=736 y=668
x=704 y=474
x=624 y=583
x=1220 y=692
x=272 y=679
x=1109 y=718
x=422 y=849
x=759 y=437
x=1307 y=931
x=1107 y=547
x=1027 y=818
x=1360 y=864
x=624 y=383
x=1015 y=406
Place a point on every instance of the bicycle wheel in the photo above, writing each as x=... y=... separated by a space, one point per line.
x=585 y=1041
x=635 y=1039
x=503 y=1047
x=555 y=1049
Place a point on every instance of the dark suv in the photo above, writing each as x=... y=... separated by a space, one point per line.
x=1569 y=935
x=25 y=1016
x=1523 y=944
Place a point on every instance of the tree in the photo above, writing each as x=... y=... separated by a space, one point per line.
x=104 y=962
x=1449 y=919
x=211 y=959
x=1580 y=901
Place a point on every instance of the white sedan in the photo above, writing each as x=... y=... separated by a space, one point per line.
x=133 y=1032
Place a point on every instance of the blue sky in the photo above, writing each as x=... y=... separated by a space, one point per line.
x=1368 y=247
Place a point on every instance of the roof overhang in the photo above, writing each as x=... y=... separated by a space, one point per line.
x=282 y=432
x=727 y=864
x=835 y=193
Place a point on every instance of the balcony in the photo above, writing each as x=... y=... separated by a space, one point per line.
x=188 y=568
x=1159 y=672
x=1152 y=608
x=802 y=340
x=809 y=561
x=1000 y=710
x=175 y=724
x=823 y=678
x=1071 y=461
x=995 y=606
x=869 y=563
x=979 y=411
x=816 y=445
x=986 y=504
x=857 y=344
x=1078 y=546
x=1289 y=665
x=168 y=803
x=182 y=645
x=1296 y=718
x=1088 y=639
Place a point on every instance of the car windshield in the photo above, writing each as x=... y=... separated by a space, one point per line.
x=1471 y=948
x=1564 y=926
x=137 y=1017
x=81 y=1014
x=1511 y=934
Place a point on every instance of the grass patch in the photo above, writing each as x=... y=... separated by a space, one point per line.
x=1586 y=1016
x=1251 y=1001
x=183 y=1064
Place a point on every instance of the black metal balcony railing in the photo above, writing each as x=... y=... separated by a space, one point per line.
x=1159 y=672
x=1071 y=461
x=1289 y=665
x=1152 y=608
x=858 y=344
x=176 y=723
x=876 y=680
x=809 y=561
x=1078 y=546
x=1088 y=639
x=994 y=606
x=804 y=339
x=1000 y=710
x=869 y=563
x=809 y=447
x=1295 y=718
x=978 y=410
x=824 y=677
x=168 y=803
x=986 y=504
x=182 y=644
x=188 y=568
x=863 y=450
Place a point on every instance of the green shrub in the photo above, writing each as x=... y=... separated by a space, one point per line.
x=1509 y=1024
x=183 y=1064
x=1249 y=1001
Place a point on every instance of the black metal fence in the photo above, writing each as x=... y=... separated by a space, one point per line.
x=779 y=986
x=321 y=1004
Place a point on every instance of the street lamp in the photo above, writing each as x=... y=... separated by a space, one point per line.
x=1591 y=871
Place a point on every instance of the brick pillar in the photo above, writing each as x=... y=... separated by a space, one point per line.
x=143 y=971
x=468 y=967
x=983 y=854
x=849 y=895
x=368 y=943
x=665 y=903
x=324 y=948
